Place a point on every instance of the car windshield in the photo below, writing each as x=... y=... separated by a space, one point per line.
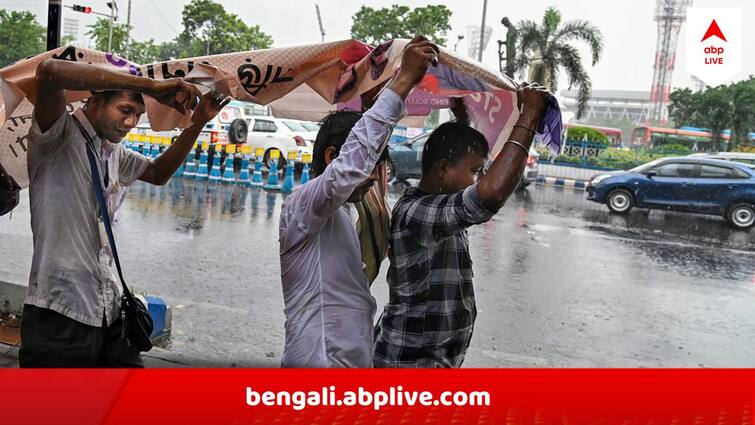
x=311 y=126
x=294 y=126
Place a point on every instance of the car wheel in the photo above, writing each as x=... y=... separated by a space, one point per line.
x=237 y=131
x=620 y=201
x=269 y=161
x=741 y=216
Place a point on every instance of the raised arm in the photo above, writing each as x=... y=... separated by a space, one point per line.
x=503 y=176
x=366 y=141
x=54 y=76
x=160 y=170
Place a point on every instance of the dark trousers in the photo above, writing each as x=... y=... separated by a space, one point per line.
x=50 y=339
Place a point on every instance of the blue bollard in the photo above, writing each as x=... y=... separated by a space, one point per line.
x=190 y=170
x=288 y=180
x=257 y=177
x=202 y=171
x=161 y=316
x=215 y=175
x=272 y=173
x=306 y=159
x=244 y=178
x=228 y=176
x=304 y=174
x=179 y=171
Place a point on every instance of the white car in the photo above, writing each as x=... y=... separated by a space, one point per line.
x=297 y=128
x=311 y=126
x=216 y=131
x=742 y=157
x=530 y=169
x=234 y=125
x=271 y=134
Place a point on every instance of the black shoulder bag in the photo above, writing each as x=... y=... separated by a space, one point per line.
x=137 y=323
x=9 y=192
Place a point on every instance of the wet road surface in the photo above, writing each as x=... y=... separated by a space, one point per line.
x=559 y=280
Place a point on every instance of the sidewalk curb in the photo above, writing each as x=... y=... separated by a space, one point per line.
x=561 y=182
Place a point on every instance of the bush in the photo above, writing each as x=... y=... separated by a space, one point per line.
x=578 y=134
x=621 y=159
x=671 y=149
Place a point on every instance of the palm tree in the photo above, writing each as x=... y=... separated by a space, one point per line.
x=546 y=51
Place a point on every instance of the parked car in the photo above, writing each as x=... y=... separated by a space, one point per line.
x=406 y=158
x=690 y=184
x=311 y=126
x=219 y=130
x=272 y=134
x=297 y=128
x=406 y=161
x=743 y=157
x=233 y=125
x=530 y=169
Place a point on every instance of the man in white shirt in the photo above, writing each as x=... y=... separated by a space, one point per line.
x=71 y=314
x=328 y=306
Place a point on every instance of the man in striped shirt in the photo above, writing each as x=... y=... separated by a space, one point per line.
x=430 y=315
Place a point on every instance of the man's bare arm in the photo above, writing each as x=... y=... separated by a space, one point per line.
x=160 y=170
x=499 y=182
x=54 y=76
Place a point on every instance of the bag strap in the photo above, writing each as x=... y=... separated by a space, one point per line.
x=96 y=182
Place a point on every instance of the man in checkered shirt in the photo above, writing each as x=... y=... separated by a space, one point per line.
x=430 y=315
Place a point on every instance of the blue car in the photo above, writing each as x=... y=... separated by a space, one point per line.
x=689 y=184
x=406 y=158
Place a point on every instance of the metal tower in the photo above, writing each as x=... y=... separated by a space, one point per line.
x=670 y=14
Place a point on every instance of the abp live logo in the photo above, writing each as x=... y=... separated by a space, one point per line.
x=714 y=43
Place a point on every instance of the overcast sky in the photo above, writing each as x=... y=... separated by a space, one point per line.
x=628 y=28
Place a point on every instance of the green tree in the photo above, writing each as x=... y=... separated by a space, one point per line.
x=717 y=109
x=743 y=112
x=625 y=125
x=209 y=29
x=578 y=134
x=171 y=50
x=20 y=36
x=68 y=39
x=715 y=113
x=683 y=107
x=546 y=50
x=374 y=26
x=99 y=32
x=143 y=52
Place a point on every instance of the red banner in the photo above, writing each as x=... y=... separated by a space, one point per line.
x=227 y=396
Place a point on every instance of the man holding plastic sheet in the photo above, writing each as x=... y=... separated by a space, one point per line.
x=431 y=311
x=71 y=314
x=328 y=306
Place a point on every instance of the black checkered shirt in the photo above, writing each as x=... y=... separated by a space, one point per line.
x=430 y=315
